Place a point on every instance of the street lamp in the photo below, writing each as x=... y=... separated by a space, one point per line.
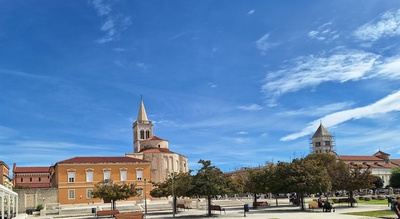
x=171 y=175
x=145 y=199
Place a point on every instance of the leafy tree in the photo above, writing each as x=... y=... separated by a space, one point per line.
x=255 y=182
x=377 y=182
x=356 y=178
x=210 y=181
x=394 y=181
x=114 y=192
x=182 y=187
x=305 y=177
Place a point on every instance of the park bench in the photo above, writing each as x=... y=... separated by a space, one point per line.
x=182 y=206
x=107 y=213
x=217 y=208
x=261 y=204
x=347 y=200
x=132 y=215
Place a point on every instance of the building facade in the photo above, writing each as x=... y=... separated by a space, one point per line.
x=5 y=179
x=149 y=147
x=31 y=177
x=379 y=163
x=75 y=177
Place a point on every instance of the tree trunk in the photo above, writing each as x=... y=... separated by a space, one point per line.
x=351 y=198
x=302 y=201
x=255 y=201
x=209 y=205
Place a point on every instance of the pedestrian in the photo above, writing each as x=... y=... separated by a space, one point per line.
x=397 y=207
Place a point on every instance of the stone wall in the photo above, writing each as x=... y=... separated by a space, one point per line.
x=31 y=198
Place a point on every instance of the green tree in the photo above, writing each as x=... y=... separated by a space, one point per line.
x=114 y=192
x=210 y=181
x=306 y=177
x=394 y=181
x=355 y=178
x=377 y=182
x=255 y=182
x=182 y=187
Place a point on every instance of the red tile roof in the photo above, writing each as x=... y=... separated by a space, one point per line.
x=154 y=138
x=155 y=150
x=359 y=158
x=31 y=170
x=120 y=159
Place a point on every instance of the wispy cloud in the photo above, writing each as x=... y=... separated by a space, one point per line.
x=317 y=111
x=113 y=24
x=212 y=85
x=251 y=12
x=251 y=107
x=324 y=32
x=6 y=132
x=242 y=133
x=385 y=105
x=387 y=25
x=263 y=44
x=341 y=66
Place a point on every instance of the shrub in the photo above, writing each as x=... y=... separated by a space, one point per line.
x=367 y=199
x=39 y=207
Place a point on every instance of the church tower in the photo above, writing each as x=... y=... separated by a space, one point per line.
x=142 y=128
x=322 y=141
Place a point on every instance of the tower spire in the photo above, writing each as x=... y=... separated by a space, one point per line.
x=142 y=116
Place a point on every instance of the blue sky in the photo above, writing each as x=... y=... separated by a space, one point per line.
x=235 y=82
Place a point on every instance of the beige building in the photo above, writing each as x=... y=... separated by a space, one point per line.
x=75 y=177
x=149 y=147
x=5 y=179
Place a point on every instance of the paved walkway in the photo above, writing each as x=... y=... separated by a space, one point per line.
x=282 y=211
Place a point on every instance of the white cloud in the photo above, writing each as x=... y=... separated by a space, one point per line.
x=388 y=104
x=251 y=107
x=317 y=111
x=212 y=85
x=308 y=71
x=251 y=12
x=242 y=133
x=387 y=25
x=324 y=33
x=263 y=43
x=113 y=24
x=6 y=132
x=101 y=7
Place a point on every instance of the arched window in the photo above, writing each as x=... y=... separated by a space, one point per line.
x=141 y=134
x=147 y=134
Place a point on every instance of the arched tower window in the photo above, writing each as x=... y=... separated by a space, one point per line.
x=147 y=134
x=141 y=134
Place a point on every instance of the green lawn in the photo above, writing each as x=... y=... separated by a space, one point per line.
x=373 y=202
x=373 y=213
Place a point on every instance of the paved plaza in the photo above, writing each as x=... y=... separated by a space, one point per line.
x=161 y=209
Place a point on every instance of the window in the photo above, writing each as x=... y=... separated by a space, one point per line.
x=30 y=179
x=40 y=179
x=139 y=174
x=22 y=179
x=71 y=177
x=123 y=174
x=107 y=174
x=89 y=175
x=140 y=191
x=89 y=193
x=71 y=194
x=147 y=134
x=317 y=144
x=141 y=134
x=327 y=143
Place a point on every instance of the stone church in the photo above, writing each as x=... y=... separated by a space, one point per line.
x=147 y=146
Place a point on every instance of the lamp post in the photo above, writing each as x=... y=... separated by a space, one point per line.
x=173 y=195
x=145 y=199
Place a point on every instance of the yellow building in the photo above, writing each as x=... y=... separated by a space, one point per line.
x=75 y=177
